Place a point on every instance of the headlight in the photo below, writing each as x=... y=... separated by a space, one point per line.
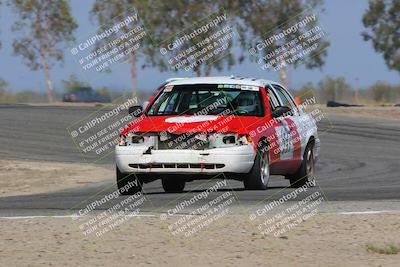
x=129 y=138
x=132 y=139
x=122 y=140
x=228 y=140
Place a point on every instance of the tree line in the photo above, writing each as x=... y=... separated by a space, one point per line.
x=44 y=28
x=340 y=90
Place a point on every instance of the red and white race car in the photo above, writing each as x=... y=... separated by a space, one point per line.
x=197 y=128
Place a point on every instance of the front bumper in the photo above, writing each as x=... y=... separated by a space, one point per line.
x=133 y=159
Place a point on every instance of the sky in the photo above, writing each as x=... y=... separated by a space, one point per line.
x=348 y=56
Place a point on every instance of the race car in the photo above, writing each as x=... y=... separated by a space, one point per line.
x=245 y=129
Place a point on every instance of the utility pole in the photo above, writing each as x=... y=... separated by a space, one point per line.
x=356 y=92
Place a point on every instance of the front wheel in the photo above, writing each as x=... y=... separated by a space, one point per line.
x=306 y=173
x=258 y=177
x=127 y=183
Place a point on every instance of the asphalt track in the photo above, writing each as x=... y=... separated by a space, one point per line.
x=360 y=160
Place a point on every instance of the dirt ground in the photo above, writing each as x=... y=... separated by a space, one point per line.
x=386 y=113
x=20 y=177
x=323 y=240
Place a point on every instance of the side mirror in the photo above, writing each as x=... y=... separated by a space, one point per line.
x=135 y=111
x=281 y=111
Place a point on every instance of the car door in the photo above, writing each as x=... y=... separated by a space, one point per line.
x=282 y=130
x=292 y=140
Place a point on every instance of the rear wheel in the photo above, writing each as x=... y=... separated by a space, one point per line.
x=127 y=183
x=173 y=185
x=306 y=173
x=258 y=177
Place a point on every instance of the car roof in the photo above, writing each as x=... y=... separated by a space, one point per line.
x=221 y=80
x=173 y=79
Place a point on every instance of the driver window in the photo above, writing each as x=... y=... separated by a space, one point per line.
x=285 y=99
x=285 y=102
x=272 y=100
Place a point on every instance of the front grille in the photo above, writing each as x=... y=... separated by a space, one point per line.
x=182 y=141
x=207 y=166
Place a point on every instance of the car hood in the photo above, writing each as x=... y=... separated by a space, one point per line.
x=192 y=124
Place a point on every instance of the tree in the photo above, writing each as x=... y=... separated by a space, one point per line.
x=5 y=97
x=382 y=21
x=49 y=24
x=173 y=19
x=3 y=84
x=262 y=19
x=307 y=91
x=104 y=92
x=73 y=84
x=383 y=92
x=0 y=9
x=107 y=11
x=332 y=89
x=162 y=21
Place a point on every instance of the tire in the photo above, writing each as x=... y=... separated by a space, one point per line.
x=173 y=185
x=306 y=173
x=127 y=183
x=258 y=177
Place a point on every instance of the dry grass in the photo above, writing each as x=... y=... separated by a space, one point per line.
x=390 y=249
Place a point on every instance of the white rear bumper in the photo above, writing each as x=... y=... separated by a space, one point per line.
x=237 y=159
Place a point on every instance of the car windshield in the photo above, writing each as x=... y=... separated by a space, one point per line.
x=206 y=100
